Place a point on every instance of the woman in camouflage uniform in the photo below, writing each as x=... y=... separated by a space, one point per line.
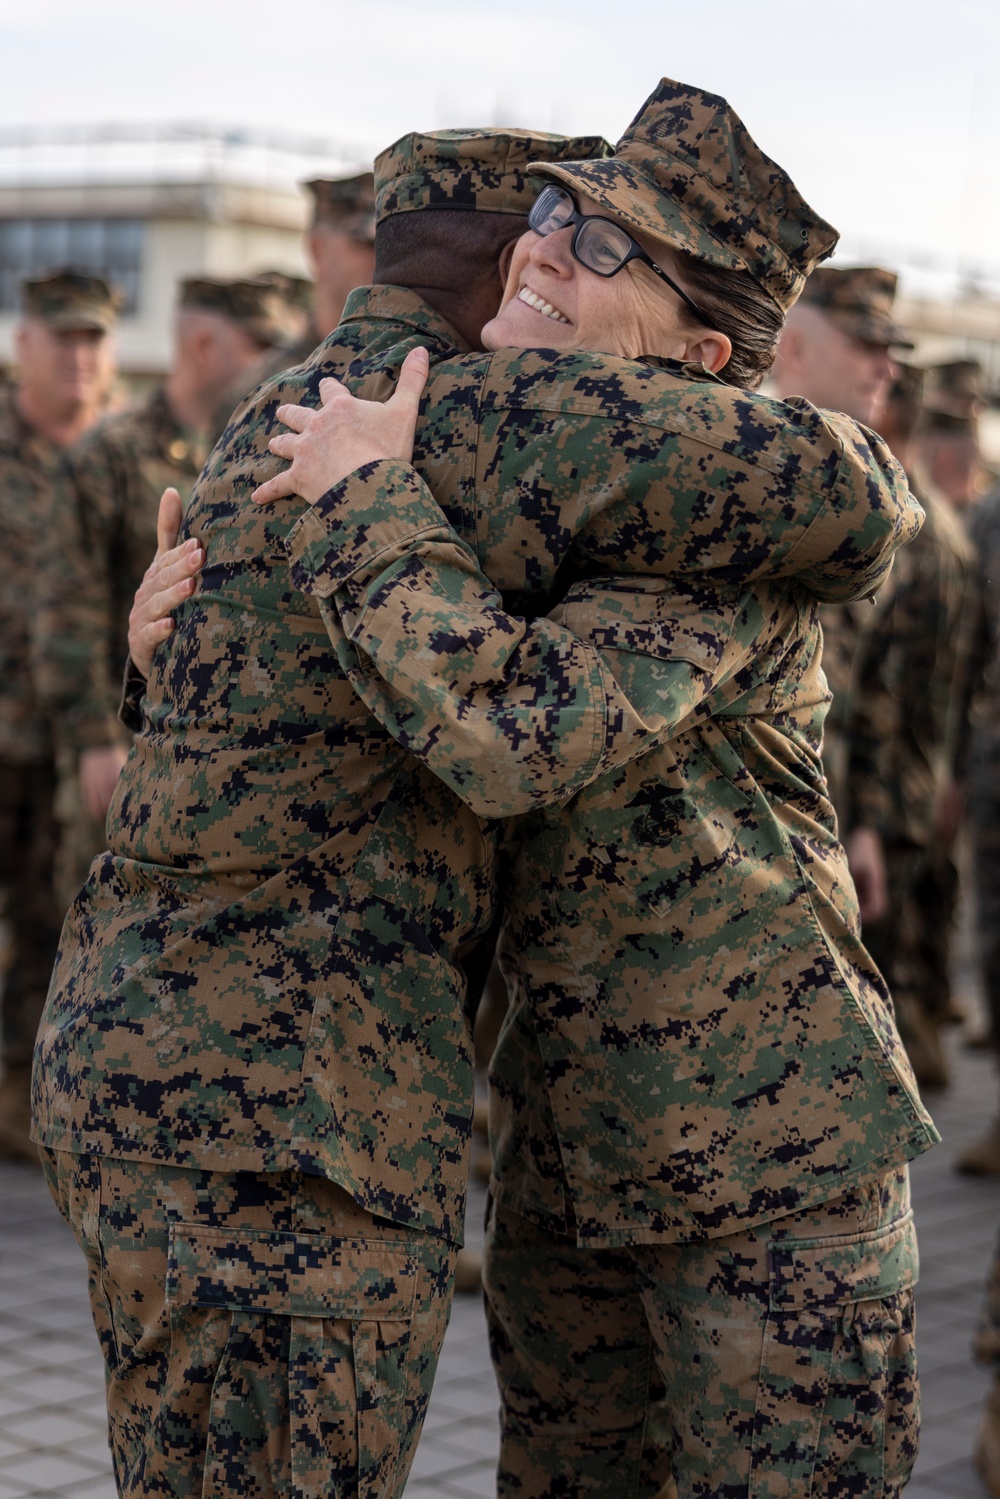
x=701 y=1109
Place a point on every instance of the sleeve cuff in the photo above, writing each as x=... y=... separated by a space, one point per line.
x=133 y=692
x=379 y=509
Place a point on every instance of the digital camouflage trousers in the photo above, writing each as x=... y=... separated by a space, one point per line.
x=263 y=1335
x=776 y=1363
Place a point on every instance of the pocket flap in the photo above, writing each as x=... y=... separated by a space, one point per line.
x=292 y=1275
x=817 y=1273
x=669 y=619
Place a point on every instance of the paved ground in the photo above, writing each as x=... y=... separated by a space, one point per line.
x=51 y=1403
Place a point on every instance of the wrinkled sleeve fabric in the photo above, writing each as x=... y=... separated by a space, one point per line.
x=510 y=713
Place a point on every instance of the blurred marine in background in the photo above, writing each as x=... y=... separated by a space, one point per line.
x=340 y=245
x=65 y=370
x=340 y=249
x=918 y=650
x=835 y=351
x=982 y=1157
x=898 y=670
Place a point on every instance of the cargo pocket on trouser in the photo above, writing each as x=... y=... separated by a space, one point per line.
x=838 y=1400
x=300 y=1344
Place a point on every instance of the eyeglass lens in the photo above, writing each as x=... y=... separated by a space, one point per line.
x=598 y=243
x=551 y=210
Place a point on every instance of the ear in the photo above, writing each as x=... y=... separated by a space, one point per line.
x=713 y=350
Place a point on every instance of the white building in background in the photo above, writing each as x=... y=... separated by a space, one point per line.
x=146 y=207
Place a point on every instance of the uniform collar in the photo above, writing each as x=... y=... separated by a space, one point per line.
x=397 y=304
x=683 y=369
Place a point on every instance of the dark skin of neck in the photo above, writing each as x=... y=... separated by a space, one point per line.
x=454 y=261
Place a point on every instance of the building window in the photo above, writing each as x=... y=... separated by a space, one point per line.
x=111 y=248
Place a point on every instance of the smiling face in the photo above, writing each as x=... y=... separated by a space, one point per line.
x=551 y=301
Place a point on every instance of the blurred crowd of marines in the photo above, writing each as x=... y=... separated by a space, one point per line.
x=80 y=484
x=912 y=748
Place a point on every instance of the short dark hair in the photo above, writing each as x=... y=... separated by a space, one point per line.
x=739 y=308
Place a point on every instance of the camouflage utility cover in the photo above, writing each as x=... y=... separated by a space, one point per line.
x=858 y=299
x=257 y=304
x=263 y=973
x=346 y=204
x=99 y=541
x=484 y=170
x=956 y=388
x=687 y=173
x=72 y=300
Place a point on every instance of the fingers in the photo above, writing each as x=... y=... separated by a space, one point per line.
x=278 y=488
x=170 y=579
x=412 y=379
x=399 y=414
x=180 y=562
x=161 y=603
x=143 y=640
x=283 y=444
x=168 y=520
x=328 y=389
x=297 y=417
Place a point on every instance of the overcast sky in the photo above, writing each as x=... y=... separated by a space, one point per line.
x=886 y=112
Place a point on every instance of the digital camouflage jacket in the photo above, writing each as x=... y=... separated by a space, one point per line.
x=900 y=675
x=697 y=1039
x=984 y=533
x=28 y=466
x=101 y=537
x=264 y=971
x=916 y=651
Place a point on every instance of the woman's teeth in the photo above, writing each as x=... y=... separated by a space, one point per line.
x=545 y=308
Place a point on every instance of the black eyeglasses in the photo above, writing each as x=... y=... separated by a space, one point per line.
x=600 y=244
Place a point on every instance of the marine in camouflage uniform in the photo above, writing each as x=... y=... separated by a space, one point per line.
x=101 y=534
x=948 y=443
x=293 y=919
x=339 y=246
x=64 y=303
x=300 y=339
x=913 y=673
x=891 y=755
x=983 y=1156
x=858 y=302
x=665 y=1196
x=340 y=243
x=377 y=1101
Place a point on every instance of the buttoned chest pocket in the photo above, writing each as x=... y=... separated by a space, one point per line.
x=657 y=828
